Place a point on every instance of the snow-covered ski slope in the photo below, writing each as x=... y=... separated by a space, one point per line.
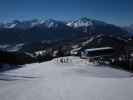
x=76 y=80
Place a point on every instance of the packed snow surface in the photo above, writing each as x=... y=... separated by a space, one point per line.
x=75 y=80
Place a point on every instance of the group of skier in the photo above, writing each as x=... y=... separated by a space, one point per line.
x=63 y=60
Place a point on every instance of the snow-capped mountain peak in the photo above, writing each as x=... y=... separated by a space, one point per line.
x=37 y=22
x=53 y=23
x=12 y=25
x=82 y=22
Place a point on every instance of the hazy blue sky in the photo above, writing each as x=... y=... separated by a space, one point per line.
x=119 y=12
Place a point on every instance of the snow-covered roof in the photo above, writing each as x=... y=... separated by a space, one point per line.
x=76 y=49
x=97 y=49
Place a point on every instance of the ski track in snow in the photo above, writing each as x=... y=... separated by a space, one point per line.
x=76 y=80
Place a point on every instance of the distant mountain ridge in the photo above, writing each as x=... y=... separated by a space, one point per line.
x=50 y=29
x=129 y=28
x=30 y=24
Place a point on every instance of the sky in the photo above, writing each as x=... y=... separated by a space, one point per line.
x=119 y=12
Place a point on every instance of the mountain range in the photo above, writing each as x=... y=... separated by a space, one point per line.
x=39 y=30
